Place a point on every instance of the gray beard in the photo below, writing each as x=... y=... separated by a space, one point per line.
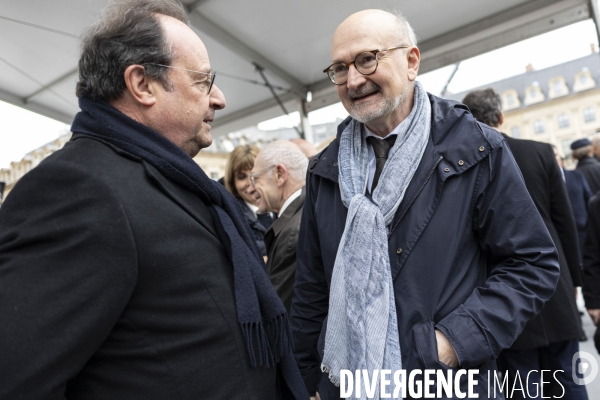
x=361 y=113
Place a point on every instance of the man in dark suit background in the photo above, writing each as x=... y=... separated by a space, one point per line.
x=550 y=339
x=125 y=272
x=583 y=151
x=279 y=176
x=579 y=194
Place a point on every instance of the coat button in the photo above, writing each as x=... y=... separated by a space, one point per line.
x=446 y=169
x=399 y=251
x=481 y=148
x=335 y=164
x=461 y=162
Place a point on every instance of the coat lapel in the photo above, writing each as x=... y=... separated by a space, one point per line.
x=185 y=199
x=283 y=219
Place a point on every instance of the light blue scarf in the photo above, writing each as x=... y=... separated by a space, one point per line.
x=362 y=328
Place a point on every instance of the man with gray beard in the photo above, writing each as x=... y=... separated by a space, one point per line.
x=419 y=246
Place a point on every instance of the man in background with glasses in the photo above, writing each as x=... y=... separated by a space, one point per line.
x=419 y=247
x=127 y=273
x=279 y=175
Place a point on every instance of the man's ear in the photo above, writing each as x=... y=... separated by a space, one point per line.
x=281 y=174
x=501 y=119
x=139 y=86
x=414 y=60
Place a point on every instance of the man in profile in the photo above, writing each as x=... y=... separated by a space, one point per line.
x=419 y=246
x=551 y=338
x=279 y=175
x=126 y=272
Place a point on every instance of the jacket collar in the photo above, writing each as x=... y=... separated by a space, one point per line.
x=455 y=136
x=289 y=212
x=587 y=160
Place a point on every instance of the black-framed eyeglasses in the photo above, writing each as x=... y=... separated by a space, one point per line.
x=211 y=75
x=253 y=175
x=365 y=63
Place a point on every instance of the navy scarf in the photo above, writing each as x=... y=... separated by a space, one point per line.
x=260 y=313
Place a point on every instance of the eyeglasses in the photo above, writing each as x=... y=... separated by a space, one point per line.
x=211 y=75
x=365 y=63
x=253 y=175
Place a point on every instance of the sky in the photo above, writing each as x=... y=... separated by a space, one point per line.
x=22 y=131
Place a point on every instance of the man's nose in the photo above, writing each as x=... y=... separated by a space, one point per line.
x=217 y=98
x=355 y=78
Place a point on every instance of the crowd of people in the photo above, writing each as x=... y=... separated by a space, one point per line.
x=420 y=238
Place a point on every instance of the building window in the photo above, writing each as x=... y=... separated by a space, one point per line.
x=515 y=132
x=563 y=121
x=589 y=114
x=510 y=100
x=533 y=93
x=214 y=175
x=583 y=79
x=538 y=126
x=557 y=87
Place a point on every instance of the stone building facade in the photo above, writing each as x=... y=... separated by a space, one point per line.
x=556 y=105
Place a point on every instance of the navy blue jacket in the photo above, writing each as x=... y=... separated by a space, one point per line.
x=469 y=252
x=579 y=194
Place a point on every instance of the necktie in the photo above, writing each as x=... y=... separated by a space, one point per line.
x=381 y=149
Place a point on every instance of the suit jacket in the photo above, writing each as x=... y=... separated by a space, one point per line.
x=579 y=194
x=559 y=319
x=590 y=168
x=591 y=256
x=282 y=240
x=114 y=285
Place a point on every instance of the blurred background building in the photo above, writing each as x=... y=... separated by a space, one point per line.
x=556 y=105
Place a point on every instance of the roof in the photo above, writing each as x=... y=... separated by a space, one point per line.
x=567 y=70
x=289 y=39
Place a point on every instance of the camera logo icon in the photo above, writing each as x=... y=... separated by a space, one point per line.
x=585 y=365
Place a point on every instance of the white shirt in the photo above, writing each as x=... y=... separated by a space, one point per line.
x=252 y=207
x=372 y=163
x=289 y=200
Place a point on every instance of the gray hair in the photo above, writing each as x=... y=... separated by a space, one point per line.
x=128 y=33
x=581 y=152
x=404 y=29
x=288 y=154
x=485 y=105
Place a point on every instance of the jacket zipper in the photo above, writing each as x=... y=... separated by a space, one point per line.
x=416 y=195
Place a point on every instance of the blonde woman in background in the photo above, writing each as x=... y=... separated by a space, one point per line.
x=237 y=182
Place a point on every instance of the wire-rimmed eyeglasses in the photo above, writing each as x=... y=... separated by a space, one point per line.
x=253 y=175
x=365 y=63
x=211 y=75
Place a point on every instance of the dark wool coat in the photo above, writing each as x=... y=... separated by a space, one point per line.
x=579 y=195
x=282 y=241
x=114 y=285
x=470 y=254
x=590 y=168
x=591 y=256
x=559 y=319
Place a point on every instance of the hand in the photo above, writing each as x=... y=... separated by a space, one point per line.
x=446 y=353
x=595 y=314
x=317 y=397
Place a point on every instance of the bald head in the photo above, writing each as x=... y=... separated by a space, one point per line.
x=386 y=25
x=306 y=147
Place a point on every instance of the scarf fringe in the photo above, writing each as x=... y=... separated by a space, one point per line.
x=334 y=379
x=267 y=342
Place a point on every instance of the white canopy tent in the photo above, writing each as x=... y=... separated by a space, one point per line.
x=289 y=40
